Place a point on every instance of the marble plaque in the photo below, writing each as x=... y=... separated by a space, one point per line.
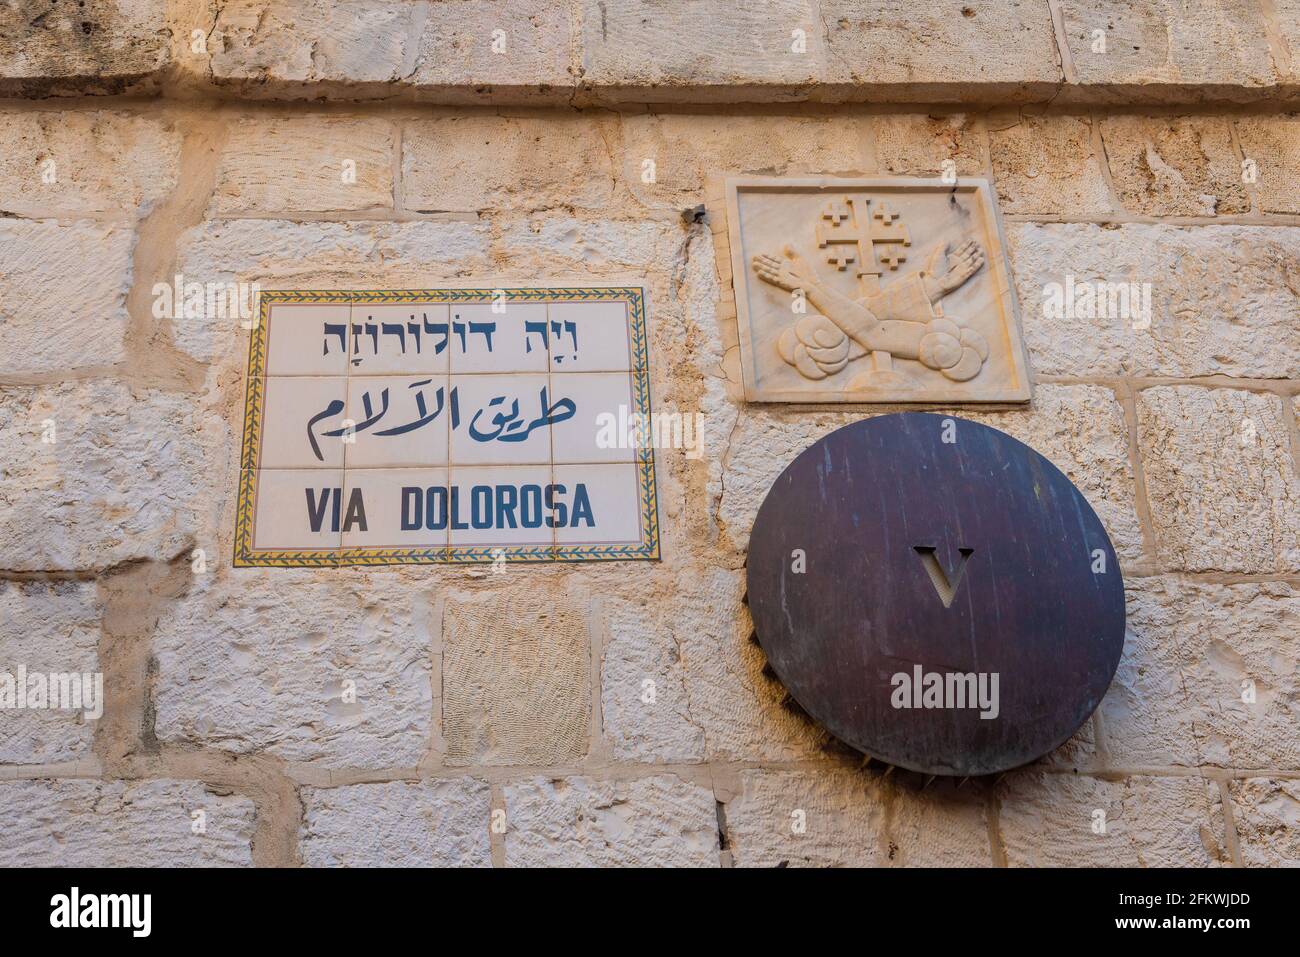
x=873 y=290
x=446 y=426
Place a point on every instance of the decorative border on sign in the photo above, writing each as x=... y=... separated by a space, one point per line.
x=254 y=412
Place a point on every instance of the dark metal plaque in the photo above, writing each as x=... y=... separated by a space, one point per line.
x=937 y=594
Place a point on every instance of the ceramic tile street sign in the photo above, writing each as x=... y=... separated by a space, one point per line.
x=937 y=594
x=873 y=290
x=447 y=425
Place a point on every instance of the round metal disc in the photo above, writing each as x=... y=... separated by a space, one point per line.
x=937 y=594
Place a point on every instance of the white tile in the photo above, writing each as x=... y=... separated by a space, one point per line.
x=491 y=410
x=589 y=337
x=405 y=424
x=297 y=409
x=580 y=438
x=307 y=339
x=510 y=341
x=298 y=509
x=602 y=504
x=500 y=505
x=398 y=339
x=404 y=508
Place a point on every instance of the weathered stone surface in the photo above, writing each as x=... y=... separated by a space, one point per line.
x=63 y=294
x=1266 y=813
x=711 y=698
x=96 y=46
x=1048 y=820
x=1193 y=654
x=1273 y=144
x=306 y=667
x=1212 y=42
x=829 y=818
x=51 y=628
x=515 y=681
x=1047 y=165
x=686 y=150
x=397 y=824
x=287 y=255
x=645 y=705
x=1173 y=166
x=564 y=242
x=1009 y=44
x=71 y=163
x=581 y=822
x=485 y=44
x=473 y=162
x=909 y=144
x=372 y=46
x=1223 y=299
x=680 y=43
x=124 y=478
x=281 y=40
x=1220 y=479
x=122 y=824
x=306 y=164
x=1080 y=429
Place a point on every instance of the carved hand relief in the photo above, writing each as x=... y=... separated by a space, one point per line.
x=873 y=290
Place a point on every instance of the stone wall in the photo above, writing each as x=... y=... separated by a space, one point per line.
x=505 y=719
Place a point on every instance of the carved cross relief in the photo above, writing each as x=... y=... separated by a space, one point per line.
x=830 y=309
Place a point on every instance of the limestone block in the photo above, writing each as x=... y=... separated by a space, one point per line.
x=49 y=627
x=69 y=163
x=1273 y=144
x=1056 y=820
x=581 y=822
x=686 y=150
x=288 y=255
x=1194 y=657
x=1007 y=45
x=1220 y=479
x=1213 y=42
x=63 y=294
x=306 y=163
x=1222 y=299
x=682 y=44
x=125 y=477
x=712 y=700
x=560 y=242
x=515 y=680
x=303 y=665
x=372 y=47
x=489 y=45
x=830 y=818
x=123 y=824
x=96 y=46
x=472 y=162
x=286 y=41
x=823 y=819
x=1174 y=166
x=441 y=823
x=1266 y=813
x=645 y=706
x=1047 y=165
x=909 y=144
